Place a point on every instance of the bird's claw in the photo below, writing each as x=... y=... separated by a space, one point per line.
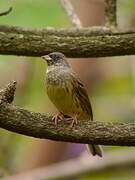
x=73 y=121
x=58 y=117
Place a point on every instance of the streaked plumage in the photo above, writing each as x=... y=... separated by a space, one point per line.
x=67 y=92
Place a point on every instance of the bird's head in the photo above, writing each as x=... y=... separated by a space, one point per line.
x=56 y=59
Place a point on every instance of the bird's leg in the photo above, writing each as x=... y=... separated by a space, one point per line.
x=74 y=121
x=57 y=117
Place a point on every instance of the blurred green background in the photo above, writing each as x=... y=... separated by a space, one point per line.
x=113 y=97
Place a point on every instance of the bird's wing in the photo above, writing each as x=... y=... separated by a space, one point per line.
x=81 y=93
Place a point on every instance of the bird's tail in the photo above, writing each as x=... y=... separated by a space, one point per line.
x=95 y=150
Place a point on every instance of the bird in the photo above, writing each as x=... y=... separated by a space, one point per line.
x=68 y=94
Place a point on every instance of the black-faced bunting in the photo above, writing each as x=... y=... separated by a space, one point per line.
x=68 y=94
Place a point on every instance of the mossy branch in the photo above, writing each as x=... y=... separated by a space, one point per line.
x=38 y=125
x=84 y=42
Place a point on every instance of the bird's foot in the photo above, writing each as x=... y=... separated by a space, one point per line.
x=73 y=121
x=58 y=117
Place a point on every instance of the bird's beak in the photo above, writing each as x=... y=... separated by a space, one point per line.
x=46 y=57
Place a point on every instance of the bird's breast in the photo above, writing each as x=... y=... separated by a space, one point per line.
x=57 y=77
x=60 y=91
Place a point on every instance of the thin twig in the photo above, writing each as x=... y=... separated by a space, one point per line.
x=80 y=166
x=4 y=13
x=71 y=13
x=111 y=13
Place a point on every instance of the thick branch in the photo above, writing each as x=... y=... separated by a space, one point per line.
x=73 y=43
x=41 y=126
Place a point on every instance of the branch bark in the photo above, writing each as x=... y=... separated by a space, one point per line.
x=84 y=42
x=39 y=125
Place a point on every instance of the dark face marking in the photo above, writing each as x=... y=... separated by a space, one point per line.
x=56 y=59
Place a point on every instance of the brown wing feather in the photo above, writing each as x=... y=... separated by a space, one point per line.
x=81 y=94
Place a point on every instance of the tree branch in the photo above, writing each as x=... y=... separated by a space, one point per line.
x=4 y=13
x=7 y=94
x=83 y=42
x=71 y=13
x=39 y=125
x=110 y=13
